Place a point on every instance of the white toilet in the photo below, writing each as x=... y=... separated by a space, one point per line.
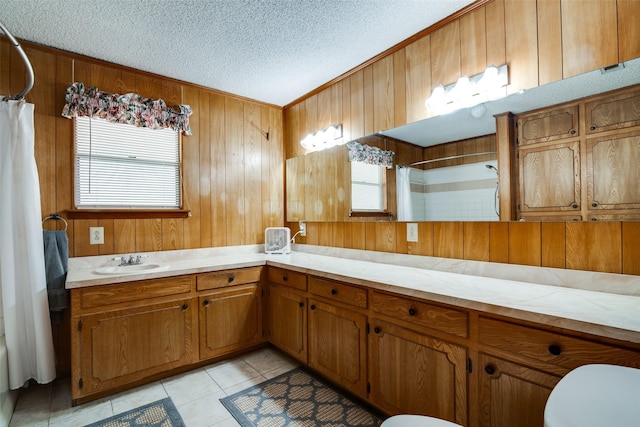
x=595 y=396
x=416 y=421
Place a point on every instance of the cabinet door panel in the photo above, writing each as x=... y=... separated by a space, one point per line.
x=549 y=178
x=337 y=345
x=512 y=395
x=613 y=173
x=288 y=322
x=123 y=346
x=417 y=374
x=610 y=113
x=230 y=320
x=548 y=126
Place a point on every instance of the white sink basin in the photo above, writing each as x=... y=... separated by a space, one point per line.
x=130 y=269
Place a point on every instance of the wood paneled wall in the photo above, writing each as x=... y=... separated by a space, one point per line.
x=593 y=246
x=233 y=175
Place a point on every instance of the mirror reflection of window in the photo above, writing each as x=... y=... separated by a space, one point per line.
x=368 y=187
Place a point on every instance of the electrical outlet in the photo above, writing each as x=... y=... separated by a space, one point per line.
x=96 y=235
x=412 y=232
x=303 y=229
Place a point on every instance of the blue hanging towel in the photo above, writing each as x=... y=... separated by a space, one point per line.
x=56 y=261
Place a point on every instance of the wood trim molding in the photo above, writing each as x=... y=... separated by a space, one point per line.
x=126 y=213
x=393 y=49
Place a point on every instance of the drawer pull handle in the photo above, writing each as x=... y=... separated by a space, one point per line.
x=185 y=307
x=334 y=292
x=205 y=303
x=230 y=279
x=313 y=307
x=301 y=304
x=489 y=369
x=377 y=330
x=555 y=349
x=285 y=278
x=412 y=312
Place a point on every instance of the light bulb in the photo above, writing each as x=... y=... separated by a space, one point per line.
x=436 y=100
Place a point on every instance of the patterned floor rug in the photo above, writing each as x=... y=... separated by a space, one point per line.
x=162 y=413
x=296 y=399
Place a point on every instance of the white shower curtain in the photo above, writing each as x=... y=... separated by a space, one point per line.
x=22 y=274
x=403 y=191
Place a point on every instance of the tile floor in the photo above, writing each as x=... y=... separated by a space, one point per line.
x=195 y=394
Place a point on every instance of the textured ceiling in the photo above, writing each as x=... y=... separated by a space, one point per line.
x=269 y=50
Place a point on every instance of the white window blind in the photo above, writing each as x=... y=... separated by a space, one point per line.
x=367 y=184
x=120 y=166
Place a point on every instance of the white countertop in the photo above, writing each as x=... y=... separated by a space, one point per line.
x=600 y=313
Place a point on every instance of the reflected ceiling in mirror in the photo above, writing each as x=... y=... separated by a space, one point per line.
x=463 y=124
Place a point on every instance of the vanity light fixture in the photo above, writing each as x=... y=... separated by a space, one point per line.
x=323 y=139
x=470 y=91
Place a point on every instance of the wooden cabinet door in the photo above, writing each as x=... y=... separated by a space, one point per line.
x=417 y=374
x=549 y=178
x=288 y=322
x=548 y=126
x=230 y=320
x=337 y=345
x=512 y=395
x=613 y=174
x=122 y=346
x=613 y=112
x=589 y=35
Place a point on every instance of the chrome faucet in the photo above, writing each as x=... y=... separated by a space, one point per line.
x=137 y=260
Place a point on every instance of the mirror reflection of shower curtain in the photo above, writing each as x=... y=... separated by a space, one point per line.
x=403 y=193
x=22 y=273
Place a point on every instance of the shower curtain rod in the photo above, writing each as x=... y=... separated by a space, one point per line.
x=422 y=162
x=27 y=64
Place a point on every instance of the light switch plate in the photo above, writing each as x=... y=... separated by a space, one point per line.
x=96 y=235
x=412 y=232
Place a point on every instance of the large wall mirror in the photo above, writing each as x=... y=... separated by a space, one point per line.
x=455 y=155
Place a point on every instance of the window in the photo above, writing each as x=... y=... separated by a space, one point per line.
x=368 y=187
x=120 y=166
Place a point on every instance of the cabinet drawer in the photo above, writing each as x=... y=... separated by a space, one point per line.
x=338 y=292
x=455 y=322
x=221 y=279
x=134 y=291
x=287 y=278
x=546 y=346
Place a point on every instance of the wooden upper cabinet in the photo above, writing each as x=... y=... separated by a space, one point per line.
x=549 y=177
x=628 y=29
x=495 y=27
x=613 y=112
x=445 y=54
x=418 y=78
x=549 y=41
x=473 y=43
x=589 y=35
x=548 y=126
x=522 y=44
x=613 y=173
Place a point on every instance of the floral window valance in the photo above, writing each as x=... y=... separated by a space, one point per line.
x=129 y=108
x=369 y=155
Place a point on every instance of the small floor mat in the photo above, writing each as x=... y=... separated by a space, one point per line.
x=162 y=413
x=296 y=399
